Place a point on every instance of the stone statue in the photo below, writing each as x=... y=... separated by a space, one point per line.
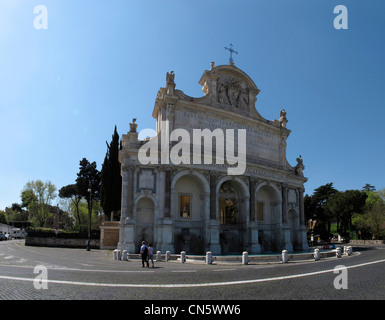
x=170 y=84
x=133 y=125
x=300 y=160
x=233 y=93
x=170 y=78
x=243 y=101
x=222 y=96
x=299 y=167
x=282 y=118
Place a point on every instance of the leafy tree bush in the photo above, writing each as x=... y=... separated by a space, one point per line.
x=37 y=196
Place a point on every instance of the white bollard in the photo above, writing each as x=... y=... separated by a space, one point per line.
x=338 y=252
x=124 y=255
x=118 y=255
x=350 y=250
x=209 y=257
x=115 y=254
x=168 y=255
x=317 y=255
x=158 y=256
x=285 y=257
x=245 y=257
x=183 y=257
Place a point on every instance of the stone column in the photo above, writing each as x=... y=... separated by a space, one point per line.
x=253 y=216
x=214 y=245
x=206 y=220
x=127 y=221
x=213 y=195
x=162 y=185
x=302 y=235
x=125 y=179
x=253 y=241
x=284 y=204
x=167 y=194
x=127 y=191
x=286 y=229
x=165 y=227
x=301 y=208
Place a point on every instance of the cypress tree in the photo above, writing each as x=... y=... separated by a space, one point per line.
x=111 y=187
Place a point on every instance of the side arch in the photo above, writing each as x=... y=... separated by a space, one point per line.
x=269 y=215
x=197 y=175
x=145 y=213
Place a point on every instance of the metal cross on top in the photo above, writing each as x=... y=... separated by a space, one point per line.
x=231 y=61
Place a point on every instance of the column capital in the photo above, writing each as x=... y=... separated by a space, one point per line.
x=301 y=190
x=128 y=167
x=254 y=179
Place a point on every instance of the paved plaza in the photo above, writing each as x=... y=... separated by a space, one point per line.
x=77 y=274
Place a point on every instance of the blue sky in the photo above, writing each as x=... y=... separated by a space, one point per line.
x=101 y=63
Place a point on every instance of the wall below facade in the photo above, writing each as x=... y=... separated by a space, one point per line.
x=109 y=235
x=61 y=243
x=367 y=241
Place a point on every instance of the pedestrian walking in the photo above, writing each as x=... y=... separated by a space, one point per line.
x=151 y=254
x=144 y=254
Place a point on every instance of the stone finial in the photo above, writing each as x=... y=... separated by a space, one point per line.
x=212 y=65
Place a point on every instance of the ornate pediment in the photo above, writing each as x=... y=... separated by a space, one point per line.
x=225 y=87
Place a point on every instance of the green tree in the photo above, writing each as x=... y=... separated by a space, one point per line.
x=343 y=205
x=111 y=180
x=37 y=196
x=28 y=199
x=88 y=179
x=316 y=208
x=368 y=187
x=84 y=214
x=60 y=218
x=16 y=207
x=88 y=184
x=371 y=222
x=71 y=192
x=16 y=214
x=3 y=217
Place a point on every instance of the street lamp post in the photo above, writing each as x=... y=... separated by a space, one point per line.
x=89 y=218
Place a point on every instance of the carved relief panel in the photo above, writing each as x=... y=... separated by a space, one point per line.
x=233 y=92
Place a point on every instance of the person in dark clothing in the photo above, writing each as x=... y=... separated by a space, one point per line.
x=144 y=254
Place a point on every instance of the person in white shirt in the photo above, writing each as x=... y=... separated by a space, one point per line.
x=151 y=254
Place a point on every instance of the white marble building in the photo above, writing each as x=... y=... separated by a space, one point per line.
x=201 y=207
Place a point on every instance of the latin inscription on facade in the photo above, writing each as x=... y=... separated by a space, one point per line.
x=260 y=143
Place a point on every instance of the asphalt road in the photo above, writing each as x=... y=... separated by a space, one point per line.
x=77 y=274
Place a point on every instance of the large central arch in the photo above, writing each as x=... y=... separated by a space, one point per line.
x=232 y=214
x=190 y=211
